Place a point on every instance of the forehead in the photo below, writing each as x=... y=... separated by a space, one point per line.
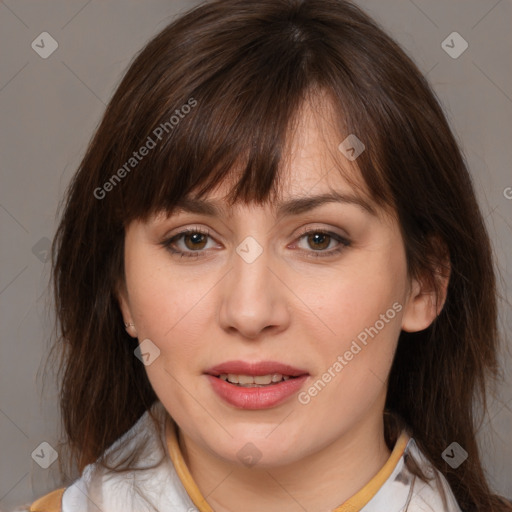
x=312 y=160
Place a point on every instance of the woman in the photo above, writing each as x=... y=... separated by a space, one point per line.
x=273 y=281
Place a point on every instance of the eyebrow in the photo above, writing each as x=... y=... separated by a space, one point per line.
x=290 y=207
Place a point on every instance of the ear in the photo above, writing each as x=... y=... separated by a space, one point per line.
x=122 y=298
x=427 y=296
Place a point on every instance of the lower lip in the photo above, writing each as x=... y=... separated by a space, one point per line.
x=262 y=397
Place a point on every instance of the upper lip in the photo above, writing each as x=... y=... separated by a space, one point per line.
x=255 y=368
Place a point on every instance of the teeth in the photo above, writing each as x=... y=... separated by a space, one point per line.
x=253 y=381
x=263 y=379
x=243 y=379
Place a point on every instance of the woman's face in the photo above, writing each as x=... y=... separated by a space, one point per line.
x=259 y=294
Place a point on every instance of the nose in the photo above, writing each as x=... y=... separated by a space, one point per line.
x=254 y=297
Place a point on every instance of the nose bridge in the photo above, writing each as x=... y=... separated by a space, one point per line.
x=251 y=264
x=253 y=298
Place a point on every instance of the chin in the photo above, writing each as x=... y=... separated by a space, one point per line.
x=254 y=447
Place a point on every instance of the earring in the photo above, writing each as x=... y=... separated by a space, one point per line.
x=127 y=326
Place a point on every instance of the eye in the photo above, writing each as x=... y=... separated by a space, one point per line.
x=194 y=241
x=320 y=240
x=190 y=243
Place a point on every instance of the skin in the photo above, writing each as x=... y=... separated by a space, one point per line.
x=284 y=306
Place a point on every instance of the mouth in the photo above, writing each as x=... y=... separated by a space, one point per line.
x=255 y=385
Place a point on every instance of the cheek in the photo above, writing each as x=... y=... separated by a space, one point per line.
x=356 y=298
x=358 y=317
x=352 y=366
x=170 y=309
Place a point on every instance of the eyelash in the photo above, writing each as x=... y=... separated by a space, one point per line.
x=343 y=243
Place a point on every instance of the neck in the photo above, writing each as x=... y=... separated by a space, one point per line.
x=321 y=481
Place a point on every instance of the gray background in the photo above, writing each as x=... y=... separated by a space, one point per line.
x=50 y=107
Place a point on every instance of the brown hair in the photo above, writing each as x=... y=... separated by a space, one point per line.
x=244 y=69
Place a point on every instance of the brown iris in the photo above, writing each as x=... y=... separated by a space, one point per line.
x=314 y=239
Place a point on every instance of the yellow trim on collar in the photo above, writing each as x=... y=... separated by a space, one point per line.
x=362 y=497
x=51 y=502
x=354 y=504
x=181 y=467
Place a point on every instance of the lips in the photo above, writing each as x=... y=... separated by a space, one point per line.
x=253 y=396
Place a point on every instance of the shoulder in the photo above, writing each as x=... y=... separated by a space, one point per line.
x=95 y=477
x=135 y=473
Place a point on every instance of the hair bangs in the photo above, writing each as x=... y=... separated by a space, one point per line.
x=224 y=111
x=238 y=128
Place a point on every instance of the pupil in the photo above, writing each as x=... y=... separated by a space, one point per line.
x=321 y=236
x=195 y=238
